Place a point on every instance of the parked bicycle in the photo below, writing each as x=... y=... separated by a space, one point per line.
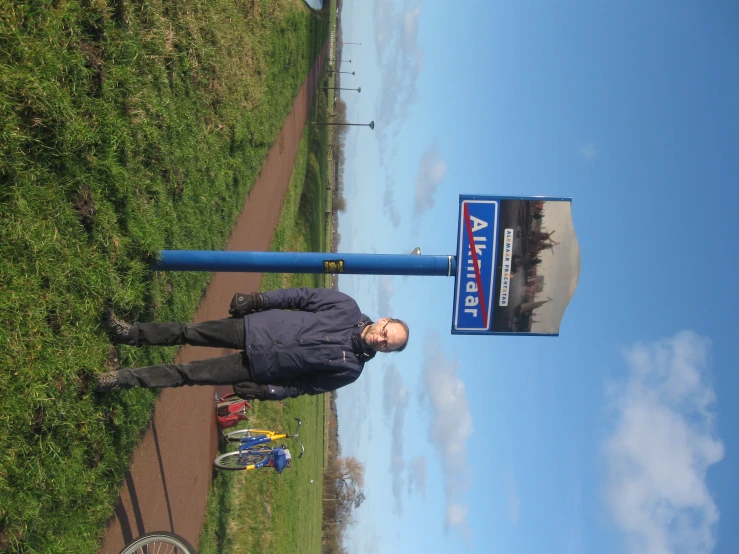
x=254 y=452
x=159 y=543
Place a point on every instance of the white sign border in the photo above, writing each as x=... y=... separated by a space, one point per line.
x=461 y=230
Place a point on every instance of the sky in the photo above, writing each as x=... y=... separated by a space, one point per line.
x=621 y=434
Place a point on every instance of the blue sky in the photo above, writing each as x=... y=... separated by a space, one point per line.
x=620 y=435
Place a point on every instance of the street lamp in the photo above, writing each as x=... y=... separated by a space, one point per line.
x=359 y=43
x=347 y=72
x=371 y=124
x=358 y=89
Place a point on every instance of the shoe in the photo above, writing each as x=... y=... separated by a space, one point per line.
x=118 y=328
x=107 y=381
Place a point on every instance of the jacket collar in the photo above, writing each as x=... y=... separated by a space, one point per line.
x=362 y=351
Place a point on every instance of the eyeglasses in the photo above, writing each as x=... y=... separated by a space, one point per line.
x=383 y=334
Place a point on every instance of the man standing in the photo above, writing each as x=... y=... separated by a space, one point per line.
x=292 y=342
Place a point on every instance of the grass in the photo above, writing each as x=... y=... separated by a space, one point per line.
x=259 y=511
x=125 y=128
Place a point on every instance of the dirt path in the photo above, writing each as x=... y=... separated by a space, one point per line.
x=167 y=483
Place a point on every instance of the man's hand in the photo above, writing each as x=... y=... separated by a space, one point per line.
x=243 y=304
x=250 y=391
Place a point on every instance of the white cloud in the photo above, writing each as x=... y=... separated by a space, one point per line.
x=417 y=471
x=400 y=58
x=356 y=408
x=410 y=29
x=451 y=427
x=456 y=514
x=388 y=201
x=663 y=443
x=395 y=405
x=588 y=151
x=431 y=171
x=385 y=291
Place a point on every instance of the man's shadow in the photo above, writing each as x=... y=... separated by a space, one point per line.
x=122 y=514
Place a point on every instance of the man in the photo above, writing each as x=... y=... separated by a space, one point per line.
x=292 y=342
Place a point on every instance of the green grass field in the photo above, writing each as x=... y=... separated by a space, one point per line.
x=260 y=511
x=125 y=128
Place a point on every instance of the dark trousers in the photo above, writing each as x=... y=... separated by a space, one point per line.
x=224 y=370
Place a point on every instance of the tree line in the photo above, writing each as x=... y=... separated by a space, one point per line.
x=343 y=489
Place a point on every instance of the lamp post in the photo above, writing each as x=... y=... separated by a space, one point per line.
x=359 y=43
x=371 y=124
x=358 y=89
x=347 y=72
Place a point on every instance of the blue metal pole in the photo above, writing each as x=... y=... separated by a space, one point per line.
x=306 y=262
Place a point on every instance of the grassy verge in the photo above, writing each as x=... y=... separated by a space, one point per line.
x=125 y=128
x=259 y=511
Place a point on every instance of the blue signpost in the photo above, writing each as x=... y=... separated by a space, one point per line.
x=306 y=262
x=512 y=274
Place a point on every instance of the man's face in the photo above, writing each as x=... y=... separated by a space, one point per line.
x=384 y=335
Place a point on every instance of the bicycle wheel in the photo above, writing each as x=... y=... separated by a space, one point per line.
x=159 y=543
x=236 y=436
x=235 y=461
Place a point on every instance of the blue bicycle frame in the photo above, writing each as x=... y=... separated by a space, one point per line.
x=247 y=444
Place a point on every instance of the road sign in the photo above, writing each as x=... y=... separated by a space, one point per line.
x=476 y=264
x=518 y=262
x=516 y=266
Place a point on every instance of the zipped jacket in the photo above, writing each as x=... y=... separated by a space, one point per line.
x=305 y=341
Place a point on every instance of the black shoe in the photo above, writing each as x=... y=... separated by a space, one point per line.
x=107 y=381
x=117 y=328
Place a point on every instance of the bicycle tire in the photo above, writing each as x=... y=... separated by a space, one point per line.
x=152 y=543
x=236 y=436
x=237 y=461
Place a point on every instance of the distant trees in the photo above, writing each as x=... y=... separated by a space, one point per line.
x=339 y=132
x=336 y=239
x=343 y=488
x=343 y=492
x=340 y=110
x=348 y=478
x=339 y=140
x=339 y=204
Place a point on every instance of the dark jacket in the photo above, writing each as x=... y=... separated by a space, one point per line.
x=306 y=341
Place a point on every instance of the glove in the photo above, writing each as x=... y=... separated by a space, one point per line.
x=243 y=304
x=250 y=391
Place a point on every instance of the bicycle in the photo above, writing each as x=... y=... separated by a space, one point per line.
x=160 y=542
x=253 y=452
